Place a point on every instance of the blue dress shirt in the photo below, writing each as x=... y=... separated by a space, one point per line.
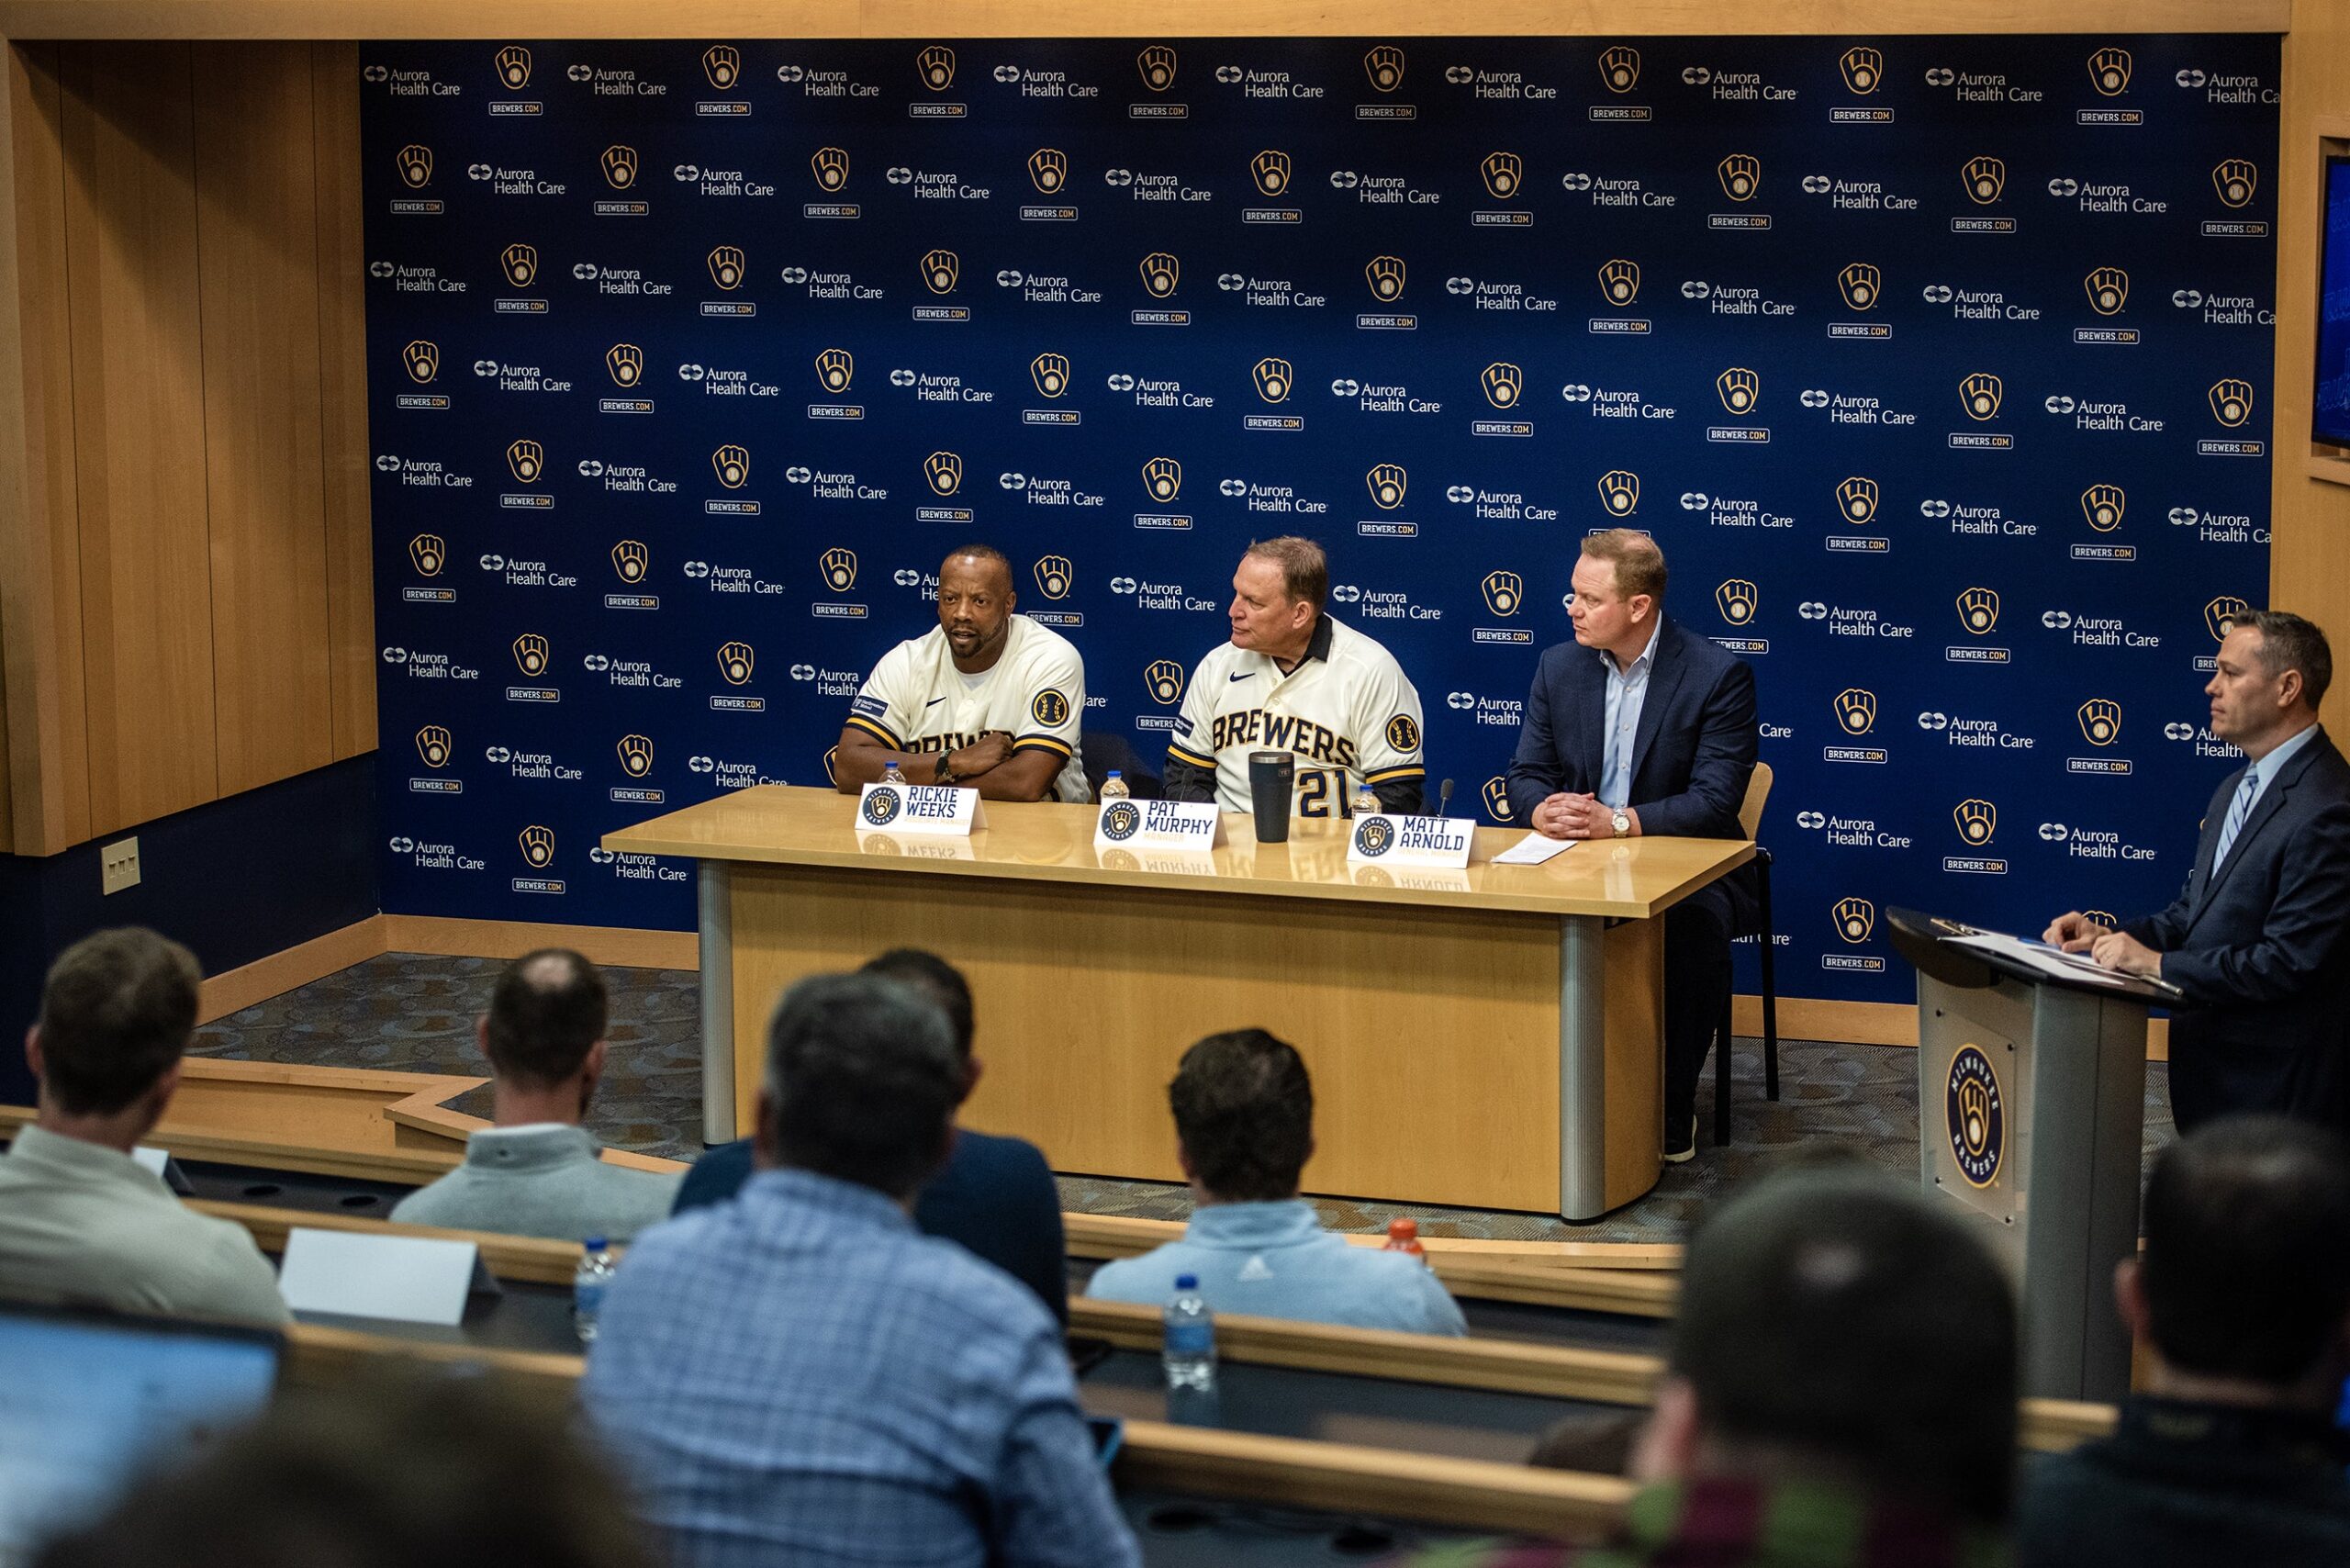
x=1626 y=690
x=800 y=1377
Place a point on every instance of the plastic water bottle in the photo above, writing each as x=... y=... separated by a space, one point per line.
x=1404 y=1235
x=1366 y=800
x=587 y=1283
x=890 y=774
x=1188 y=1348
x=1114 y=787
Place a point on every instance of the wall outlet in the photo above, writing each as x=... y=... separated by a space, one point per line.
x=118 y=866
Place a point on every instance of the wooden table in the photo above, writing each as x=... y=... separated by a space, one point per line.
x=1488 y=1037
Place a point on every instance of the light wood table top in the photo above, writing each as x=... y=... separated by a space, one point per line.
x=1051 y=842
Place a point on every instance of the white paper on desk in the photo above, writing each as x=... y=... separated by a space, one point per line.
x=409 y=1279
x=2041 y=958
x=1532 y=850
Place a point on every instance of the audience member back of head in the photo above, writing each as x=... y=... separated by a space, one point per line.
x=2240 y=1307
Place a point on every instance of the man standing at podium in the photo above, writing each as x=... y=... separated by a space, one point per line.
x=1641 y=726
x=986 y=699
x=2258 y=944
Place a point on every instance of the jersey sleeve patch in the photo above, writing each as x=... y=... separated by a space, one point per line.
x=869 y=706
x=1050 y=707
x=1403 y=733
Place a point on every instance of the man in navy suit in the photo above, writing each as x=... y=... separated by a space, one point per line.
x=1641 y=726
x=2258 y=944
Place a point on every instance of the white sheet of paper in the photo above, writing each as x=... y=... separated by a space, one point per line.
x=153 y=1160
x=1532 y=850
x=2037 y=956
x=409 y=1279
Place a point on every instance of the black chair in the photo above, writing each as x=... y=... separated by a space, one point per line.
x=1749 y=820
x=1106 y=749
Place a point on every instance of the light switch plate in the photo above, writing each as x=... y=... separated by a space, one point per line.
x=118 y=866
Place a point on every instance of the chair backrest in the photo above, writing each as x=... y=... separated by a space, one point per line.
x=1758 y=791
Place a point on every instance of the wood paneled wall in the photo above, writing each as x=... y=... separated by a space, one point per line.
x=2309 y=562
x=185 y=593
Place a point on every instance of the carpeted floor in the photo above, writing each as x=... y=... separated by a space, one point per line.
x=416 y=1014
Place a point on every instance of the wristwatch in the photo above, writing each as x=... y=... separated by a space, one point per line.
x=940 y=773
x=1623 y=824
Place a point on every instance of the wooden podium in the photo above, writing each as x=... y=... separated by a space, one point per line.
x=1487 y=1037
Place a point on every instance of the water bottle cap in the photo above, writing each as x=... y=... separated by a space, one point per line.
x=1113 y=773
x=1402 y=1227
x=1187 y=1281
x=595 y=1244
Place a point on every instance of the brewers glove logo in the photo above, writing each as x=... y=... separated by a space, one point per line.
x=732 y=466
x=1048 y=170
x=1163 y=477
x=939 y=270
x=520 y=263
x=1854 y=919
x=1164 y=677
x=1505 y=591
x=1984 y=178
x=829 y=165
x=626 y=364
x=2232 y=402
x=1863 y=68
x=422 y=359
x=1861 y=285
x=723 y=63
x=1403 y=733
x=1120 y=820
x=1619 y=492
x=2110 y=72
x=2108 y=289
x=631 y=561
x=1978 y=611
x=1385 y=275
x=513 y=65
x=880 y=807
x=619 y=164
x=944 y=471
x=1054 y=576
x=1856 y=500
x=1978 y=821
x=528 y=460
x=835 y=368
x=2103 y=505
x=1975 y=1117
x=726 y=266
x=530 y=653
x=432 y=744
x=1384 y=66
x=635 y=755
x=838 y=569
x=416 y=166
x=1739 y=389
x=1386 y=482
x=1738 y=600
x=1374 y=837
x=1270 y=170
x=1050 y=708
x=2101 y=721
x=1503 y=172
x=1502 y=382
x=429 y=552
x=1156 y=64
x=2235 y=178
x=735 y=662
x=2219 y=616
x=1856 y=711
x=1159 y=273
x=1050 y=372
x=1273 y=379
x=1741 y=175
x=538 y=846
x=1979 y=395
x=1619 y=67
x=1620 y=282
x=1495 y=794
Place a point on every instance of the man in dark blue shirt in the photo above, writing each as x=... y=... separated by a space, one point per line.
x=996 y=1195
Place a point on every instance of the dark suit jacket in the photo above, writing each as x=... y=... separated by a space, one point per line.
x=1692 y=753
x=2260 y=950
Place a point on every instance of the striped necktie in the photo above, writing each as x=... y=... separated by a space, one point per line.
x=2238 y=809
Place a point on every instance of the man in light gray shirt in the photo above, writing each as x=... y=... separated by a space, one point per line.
x=82 y=1223
x=1244 y=1125
x=538 y=1171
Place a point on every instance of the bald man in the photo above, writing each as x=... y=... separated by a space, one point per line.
x=986 y=698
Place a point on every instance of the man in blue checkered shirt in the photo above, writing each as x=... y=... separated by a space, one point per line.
x=800 y=1376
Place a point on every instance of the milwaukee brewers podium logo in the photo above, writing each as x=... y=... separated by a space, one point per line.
x=631 y=561
x=2103 y=505
x=2109 y=290
x=1974 y=1116
x=1048 y=170
x=1979 y=395
x=1164 y=679
x=422 y=360
x=1738 y=600
x=619 y=164
x=1274 y=379
x=1162 y=479
x=880 y=807
x=829 y=165
x=520 y=263
x=1739 y=389
x=1741 y=175
x=1120 y=820
x=429 y=552
x=838 y=569
x=415 y=162
x=1387 y=483
x=1504 y=174
x=527 y=459
x=626 y=364
x=944 y=472
x=513 y=65
x=1159 y=273
x=1978 y=821
x=1855 y=710
x=2232 y=402
x=1505 y=591
x=1863 y=68
x=1502 y=382
x=1054 y=576
x=2235 y=178
x=1861 y=285
x=530 y=653
x=1384 y=66
x=1374 y=837
x=1271 y=168
x=733 y=465
x=1619 y=492
x=2110 y=72
x=636 y=755
x=1978 y=611
x=2219 y=616
x=735 y=660
x=835 y=368
x=1856 y=500
x=727 y=267
x=1854 y=919
x=1620 y=282
x=1385 y=275
x=1984 y=178
x=1619 y=67
x=432 y=744
x=723 y=64
x=939 y=270
x=1050 y=372
x=2100 y=721
x=1495 y=794
x=1156 y=64
x=538 y=846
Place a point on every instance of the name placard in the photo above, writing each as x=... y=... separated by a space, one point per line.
x=1411 y=841
x=937 y=810
x=409 y=1279
x=1159 y=824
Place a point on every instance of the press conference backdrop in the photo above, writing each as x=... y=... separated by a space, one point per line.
x=1940 y=367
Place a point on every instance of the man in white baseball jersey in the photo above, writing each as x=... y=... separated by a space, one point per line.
x=1293 y=679
x=986 y=699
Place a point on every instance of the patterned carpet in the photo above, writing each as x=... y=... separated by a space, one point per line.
x=413 y=1012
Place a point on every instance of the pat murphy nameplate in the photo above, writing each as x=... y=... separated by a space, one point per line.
x=1412 y=841
x=1159 y=824
x=933 y=809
